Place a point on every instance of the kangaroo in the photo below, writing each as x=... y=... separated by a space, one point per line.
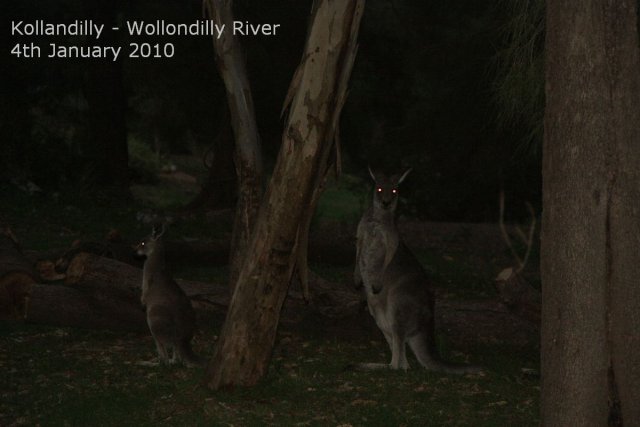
x=398 y=291
x=170 y=316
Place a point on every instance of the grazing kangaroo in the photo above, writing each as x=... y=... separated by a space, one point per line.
x=170 y=316
x=398 y=290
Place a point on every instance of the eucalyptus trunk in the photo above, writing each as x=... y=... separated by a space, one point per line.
x=590 y=250
x=248 y=158
x=315 y=99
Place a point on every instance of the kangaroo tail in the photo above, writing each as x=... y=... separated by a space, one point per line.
x=434 y=365
x=454 y=368
x=367 y=367
x=427 y=354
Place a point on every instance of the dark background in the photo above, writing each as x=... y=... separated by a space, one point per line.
x=443 y=87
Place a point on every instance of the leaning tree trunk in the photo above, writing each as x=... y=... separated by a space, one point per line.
x=232 y=68
x=243 y=350
x=590 y=251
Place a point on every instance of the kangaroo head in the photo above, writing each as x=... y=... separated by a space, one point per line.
x=385 y=191
x=149 y=243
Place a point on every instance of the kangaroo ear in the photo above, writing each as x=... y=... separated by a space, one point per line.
x=373 y=176
x=157 y=231
x=404 y=175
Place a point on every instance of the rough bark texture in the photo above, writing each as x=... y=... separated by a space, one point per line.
x=231 y=65
x=243 y=350
x=590 y=257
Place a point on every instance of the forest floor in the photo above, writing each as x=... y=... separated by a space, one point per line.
x=70 y=376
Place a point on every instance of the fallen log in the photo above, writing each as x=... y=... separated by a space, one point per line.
x=89 y=270
x=117 y=250
x=85 y=307
x=17 y=277
x=104 y=293
x=100 y=292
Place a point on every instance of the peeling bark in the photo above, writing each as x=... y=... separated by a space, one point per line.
x=248 y=157
x=243 y=350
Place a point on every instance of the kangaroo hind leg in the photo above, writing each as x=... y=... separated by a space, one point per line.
x=161 y=330
x=398 y=351
x=163 y=353
x=422 y=347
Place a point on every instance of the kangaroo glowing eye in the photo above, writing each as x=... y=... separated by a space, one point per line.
x=142 y=243
x=379 y=190
x=394 y=191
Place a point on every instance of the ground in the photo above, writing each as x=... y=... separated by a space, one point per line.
x=62 y=376
x=70 y=376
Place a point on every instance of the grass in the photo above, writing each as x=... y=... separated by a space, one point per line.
x=63 y=376
x=69 y=376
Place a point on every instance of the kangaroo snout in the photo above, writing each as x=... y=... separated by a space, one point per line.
x=386 y=204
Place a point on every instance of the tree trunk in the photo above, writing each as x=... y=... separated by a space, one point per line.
x=590 y=253
x=232 y=68
x=242 y=353
x=302 y=239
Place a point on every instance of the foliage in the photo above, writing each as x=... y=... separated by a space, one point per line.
x=144 y=163
x=429 y=105
x=343 y=199
x=519 y=82
x=435 y=87
x=47 y=220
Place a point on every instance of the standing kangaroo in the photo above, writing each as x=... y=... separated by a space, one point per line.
x=398 y=290
x=170 y=316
